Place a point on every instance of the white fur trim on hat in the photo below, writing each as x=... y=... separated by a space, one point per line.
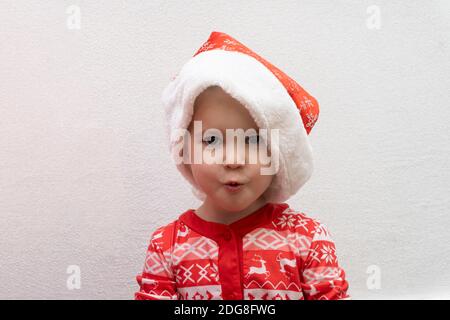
x=266 y=99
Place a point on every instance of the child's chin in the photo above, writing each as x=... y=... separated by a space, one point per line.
x=236 y=202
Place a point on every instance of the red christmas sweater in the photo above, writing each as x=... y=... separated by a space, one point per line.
x=274 y=253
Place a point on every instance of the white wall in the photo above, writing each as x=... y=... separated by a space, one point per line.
x=85 y=173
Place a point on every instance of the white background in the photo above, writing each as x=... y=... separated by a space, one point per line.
x=85 y=173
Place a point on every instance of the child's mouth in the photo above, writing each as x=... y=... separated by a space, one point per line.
x=233 y=186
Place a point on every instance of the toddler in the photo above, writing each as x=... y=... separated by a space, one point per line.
x=243 y=242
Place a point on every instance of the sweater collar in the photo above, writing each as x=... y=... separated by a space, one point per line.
x=240 y=227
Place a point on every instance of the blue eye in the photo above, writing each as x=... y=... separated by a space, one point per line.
x=211 y=140
x=252 y=139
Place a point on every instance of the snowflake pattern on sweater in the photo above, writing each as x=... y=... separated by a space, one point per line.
x=275 y=253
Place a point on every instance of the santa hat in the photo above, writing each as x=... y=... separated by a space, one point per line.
x=273 y=99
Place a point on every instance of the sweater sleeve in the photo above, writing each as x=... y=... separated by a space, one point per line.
x=156 y=282
x=322 y=276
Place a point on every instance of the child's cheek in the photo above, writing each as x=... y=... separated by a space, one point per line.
x=205 y=175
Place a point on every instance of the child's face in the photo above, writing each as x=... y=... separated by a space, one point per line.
x=216 y=109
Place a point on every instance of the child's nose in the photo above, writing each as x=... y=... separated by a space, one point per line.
x=233 y=165
x=234 y=159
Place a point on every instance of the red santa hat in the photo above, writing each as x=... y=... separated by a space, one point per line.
x=273 y=99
